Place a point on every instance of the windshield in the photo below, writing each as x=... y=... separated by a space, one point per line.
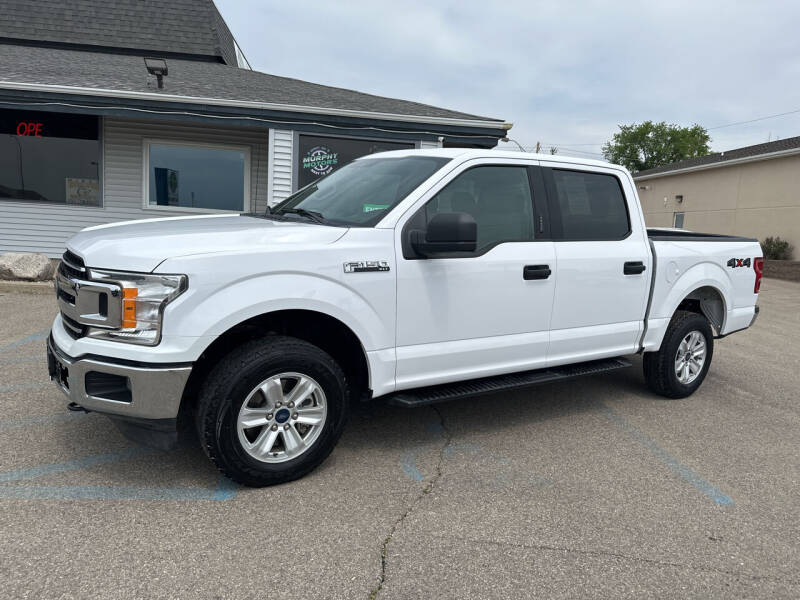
x=362 y=192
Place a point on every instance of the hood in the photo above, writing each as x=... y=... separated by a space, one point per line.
x=143 y=245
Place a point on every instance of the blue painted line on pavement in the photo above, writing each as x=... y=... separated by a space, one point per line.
x=675 y=466
x=71 y=465
x=22 y=359
x=27 y=340
x=23 y=386
x=226 y=489
x=41 y=420
x=106 y=492
x=409 y=466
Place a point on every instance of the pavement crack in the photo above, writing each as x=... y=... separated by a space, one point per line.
x=426 y=489
x=620 y=555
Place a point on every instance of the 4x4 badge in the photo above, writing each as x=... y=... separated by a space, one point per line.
x=738 y=262
x=366 y=266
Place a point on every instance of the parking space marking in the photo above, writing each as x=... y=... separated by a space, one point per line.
x=23 y=386
x=662 y=455
x=409 y=466
x=225 y=490
x=27 y=340
x=21 y=359
x=71 y=465
x=40 y=420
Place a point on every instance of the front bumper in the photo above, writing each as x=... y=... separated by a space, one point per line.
x=134 y=391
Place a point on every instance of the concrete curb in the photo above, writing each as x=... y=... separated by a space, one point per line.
x=41 y=288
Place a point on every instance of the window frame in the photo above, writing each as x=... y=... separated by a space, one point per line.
x=554 y=206
x=248 y=201
x=539 y=213
x=675 y=218
x=101 y=158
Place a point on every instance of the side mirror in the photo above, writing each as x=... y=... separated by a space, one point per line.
x=446 y=232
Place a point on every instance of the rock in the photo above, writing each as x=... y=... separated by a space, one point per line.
x=26 y=266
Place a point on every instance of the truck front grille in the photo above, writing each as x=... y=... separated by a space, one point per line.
x=72 y=327
x=85 y=303
x=71 y=266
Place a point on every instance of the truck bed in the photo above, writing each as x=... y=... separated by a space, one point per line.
x=677 y=235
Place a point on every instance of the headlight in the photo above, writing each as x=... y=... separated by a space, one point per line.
x=144 y=297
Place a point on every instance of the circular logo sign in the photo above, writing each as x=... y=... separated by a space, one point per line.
x=320 y=160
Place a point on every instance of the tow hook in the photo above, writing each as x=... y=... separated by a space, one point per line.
x=75 y=407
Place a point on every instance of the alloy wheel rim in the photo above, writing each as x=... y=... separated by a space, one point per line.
x=690 y=357
x=282 y=417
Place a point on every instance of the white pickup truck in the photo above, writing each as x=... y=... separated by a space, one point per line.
x=421 y=276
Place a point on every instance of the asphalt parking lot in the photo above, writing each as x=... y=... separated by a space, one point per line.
x=589 y=488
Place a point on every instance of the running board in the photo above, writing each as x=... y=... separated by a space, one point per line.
x=503 y=383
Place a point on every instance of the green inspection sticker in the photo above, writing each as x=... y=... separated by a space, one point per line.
x=368 y=208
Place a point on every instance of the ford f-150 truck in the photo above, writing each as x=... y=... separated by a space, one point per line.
x=419 y=275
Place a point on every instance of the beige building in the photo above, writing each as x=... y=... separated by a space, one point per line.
x=752 y=191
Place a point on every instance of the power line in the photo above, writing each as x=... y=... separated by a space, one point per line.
x=791 y=112
x=568 y=144
x=545 y=148
x=579 y=151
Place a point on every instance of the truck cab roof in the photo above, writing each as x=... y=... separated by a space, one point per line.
x=469 y=153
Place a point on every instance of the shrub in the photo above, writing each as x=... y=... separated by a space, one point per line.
x=776 y=249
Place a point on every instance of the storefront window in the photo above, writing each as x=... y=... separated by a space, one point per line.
x=49 y=157
x=204 y=177
x=321 y=155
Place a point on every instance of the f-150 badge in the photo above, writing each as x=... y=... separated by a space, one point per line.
x=366 y=266
x=738 y=262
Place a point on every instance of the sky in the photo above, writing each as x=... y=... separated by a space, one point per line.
x=564 y=73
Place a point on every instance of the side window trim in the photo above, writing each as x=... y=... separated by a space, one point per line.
x=556 y=227
x=413 y=221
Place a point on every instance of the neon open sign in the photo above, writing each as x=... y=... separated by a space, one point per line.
x=30 y=128
x=41 y=124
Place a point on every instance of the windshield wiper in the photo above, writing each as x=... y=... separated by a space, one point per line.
x=315 y=216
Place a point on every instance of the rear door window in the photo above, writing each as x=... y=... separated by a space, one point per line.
x=589 y=206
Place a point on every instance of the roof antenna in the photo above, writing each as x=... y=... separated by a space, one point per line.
x=157 y=67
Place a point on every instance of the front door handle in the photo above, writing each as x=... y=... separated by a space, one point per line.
x=536 y=272
x=633 y=267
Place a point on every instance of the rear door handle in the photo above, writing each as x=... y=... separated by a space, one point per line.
x=633 y=267
x=536 y=272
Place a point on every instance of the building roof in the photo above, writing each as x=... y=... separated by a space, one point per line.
x=722 y=158
x=175 y=27
x=198 y=81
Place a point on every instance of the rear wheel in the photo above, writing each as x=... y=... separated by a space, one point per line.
x=681 y=364
x=272 y=410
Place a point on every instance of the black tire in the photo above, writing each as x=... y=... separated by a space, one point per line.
x=659 y=367
x=227 y=387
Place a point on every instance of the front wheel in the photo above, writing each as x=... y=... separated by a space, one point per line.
x=681 y=364
x=272 y=410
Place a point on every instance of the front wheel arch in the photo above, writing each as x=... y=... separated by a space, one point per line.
x=320 y=329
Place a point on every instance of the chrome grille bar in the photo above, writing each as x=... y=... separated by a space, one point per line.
x=83 y=302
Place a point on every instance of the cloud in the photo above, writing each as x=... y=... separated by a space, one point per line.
x=562 y=72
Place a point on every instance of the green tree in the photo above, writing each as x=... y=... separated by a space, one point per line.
x=649 y=145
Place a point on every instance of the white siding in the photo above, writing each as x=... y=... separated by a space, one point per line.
x=281 y=155
x=33 y=227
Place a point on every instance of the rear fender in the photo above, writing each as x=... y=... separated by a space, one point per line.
x=703 y=275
